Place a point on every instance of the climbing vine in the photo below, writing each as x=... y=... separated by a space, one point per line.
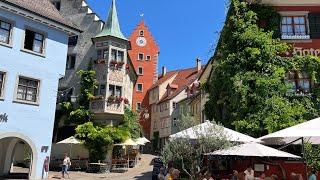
x=249 y=86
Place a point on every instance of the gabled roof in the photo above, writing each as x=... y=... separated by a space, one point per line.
x=112 y=26
x=43 y=8
x=163 y=79
x=184 y=78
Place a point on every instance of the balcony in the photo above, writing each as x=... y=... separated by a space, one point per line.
x=112 y=105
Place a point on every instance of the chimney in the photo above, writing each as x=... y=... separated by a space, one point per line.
x=164 y=71
x=198 y=64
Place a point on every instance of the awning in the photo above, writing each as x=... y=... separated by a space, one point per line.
x=309 y=131
x=253 y=150
x=205 y=129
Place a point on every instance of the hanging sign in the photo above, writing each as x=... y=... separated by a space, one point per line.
x=3 y=118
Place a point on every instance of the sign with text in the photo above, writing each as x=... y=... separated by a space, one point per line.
x=300 y=51
x=3 y=118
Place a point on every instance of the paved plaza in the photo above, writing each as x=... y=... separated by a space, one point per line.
x=141 y=172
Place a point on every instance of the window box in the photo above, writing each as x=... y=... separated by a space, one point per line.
x=113 y=63
x=295 y=37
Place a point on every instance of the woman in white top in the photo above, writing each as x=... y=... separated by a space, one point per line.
x=65 y=165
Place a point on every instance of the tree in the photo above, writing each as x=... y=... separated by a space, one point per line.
x=189 y=152
x=248 y=90
x=312 y=156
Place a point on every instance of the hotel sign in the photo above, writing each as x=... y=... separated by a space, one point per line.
x=3 y=118
x=305 y=52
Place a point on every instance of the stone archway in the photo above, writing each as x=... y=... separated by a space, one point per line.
x=8 y=143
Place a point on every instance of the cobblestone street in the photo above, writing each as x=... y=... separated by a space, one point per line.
x=141 y=172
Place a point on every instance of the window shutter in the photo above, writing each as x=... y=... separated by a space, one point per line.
x=314 y=25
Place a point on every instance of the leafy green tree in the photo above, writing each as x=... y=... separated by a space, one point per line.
x=131 y=123
x=87 y=83
x=313 y=156
x=248 y=90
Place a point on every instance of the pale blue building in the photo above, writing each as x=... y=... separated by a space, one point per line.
x=33 y=51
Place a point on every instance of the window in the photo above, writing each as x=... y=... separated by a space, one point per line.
x=139 y=87
x=140 y=71
x=117 y=55
x=138 y=108
x=1 y=83
x=5 y=32
x=73 y=40
x=174 y=105
x=103 y=53
x=33 y=41
x=57 y=4
x=140 y=57
x=294 y=26
x=28 y=90
x=100 y=90
x=71 y=61
x=115 y=90
x=299 y=83
x=141 y=33
x=148 y=58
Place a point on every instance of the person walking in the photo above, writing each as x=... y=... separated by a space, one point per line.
x=313 y=175
x=65 y=165
x=161 y=174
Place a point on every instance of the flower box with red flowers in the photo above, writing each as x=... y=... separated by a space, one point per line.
x=120 y=64
x=119 y=99
x=113 y=62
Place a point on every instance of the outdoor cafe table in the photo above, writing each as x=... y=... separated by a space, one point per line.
x=97 y=168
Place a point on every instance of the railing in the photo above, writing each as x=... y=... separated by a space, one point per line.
x=295 y=37
x=103 y=106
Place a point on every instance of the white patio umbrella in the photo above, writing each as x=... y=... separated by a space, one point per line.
x=140 y=142
x=70 y=141
x=205 y=129
x=145 y=140
x=253 y=150
x=308 y=131
x=128 y=142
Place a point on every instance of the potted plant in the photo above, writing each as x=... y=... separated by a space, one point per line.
x=119 y=99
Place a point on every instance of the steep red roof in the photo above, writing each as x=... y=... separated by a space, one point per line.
x=42 y=8
x=184 y=78
x=162 y=79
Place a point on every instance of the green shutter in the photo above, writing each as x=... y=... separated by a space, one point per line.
x=314 y=25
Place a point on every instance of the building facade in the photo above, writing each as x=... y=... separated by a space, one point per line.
x=91 y=48
x=81 y=52
x=144 y=54
x=32 y=32
x=115 y=73
x=299 y=26
x=171 y=88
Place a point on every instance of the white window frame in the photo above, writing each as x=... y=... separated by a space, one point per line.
x=68 y=63
x=25 y=101
x=141 y=35
x=140 y=67
x=43 y=53
x=141 y=87
x=148 y=59
x=12 y=24
x=295 y=14
x=139 y=56
x=2 y=88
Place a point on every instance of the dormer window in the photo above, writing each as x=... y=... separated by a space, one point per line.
x=294 y=27
x=57 y=4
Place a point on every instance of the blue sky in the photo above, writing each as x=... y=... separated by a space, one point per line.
x=184 y=29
